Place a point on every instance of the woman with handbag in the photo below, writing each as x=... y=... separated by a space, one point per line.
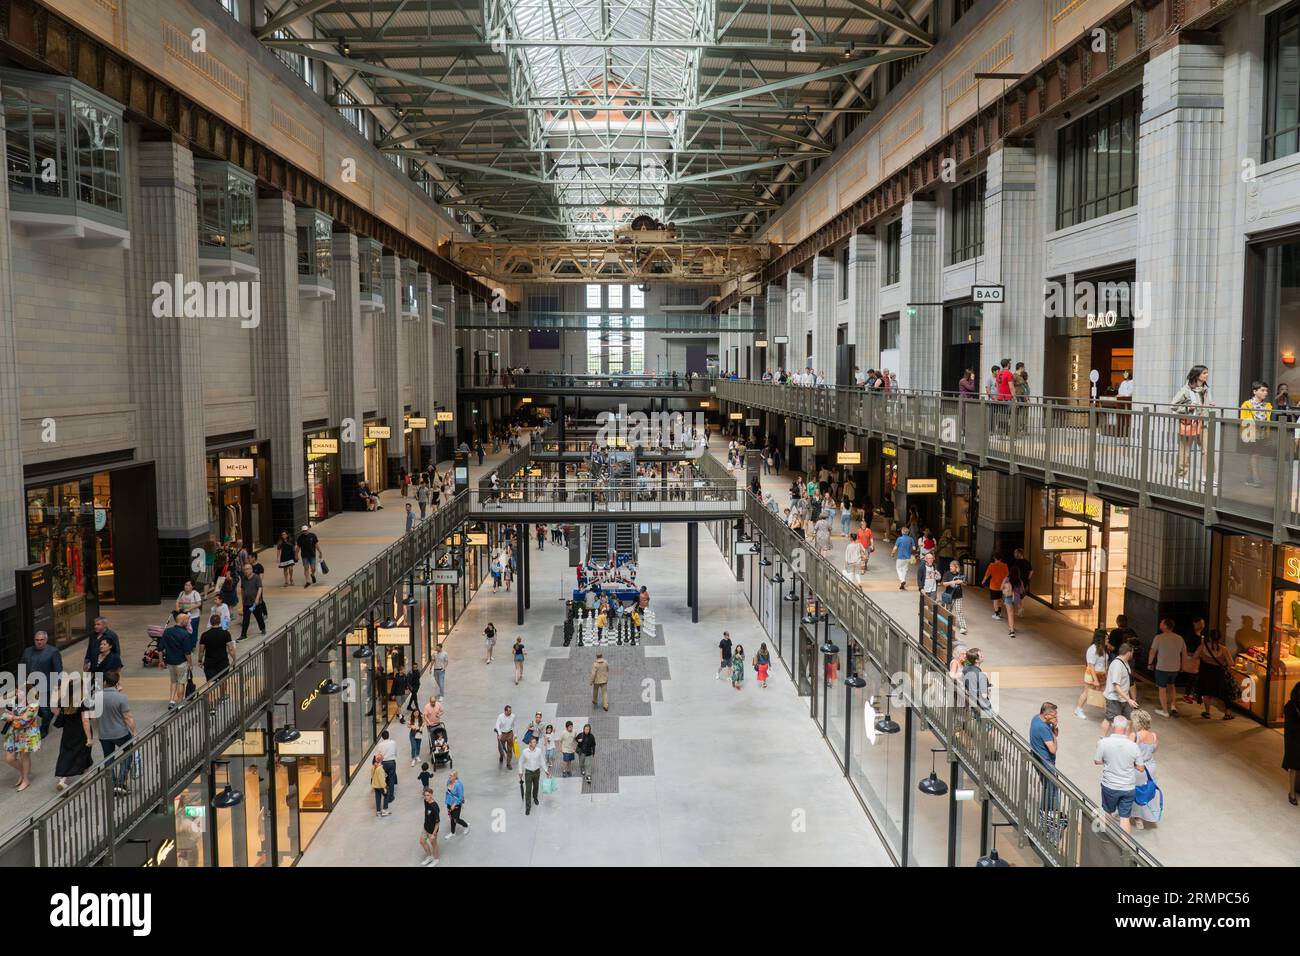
x=1095 y=661
x=1191 y=402
x=1216 y=679
x=1147 y=741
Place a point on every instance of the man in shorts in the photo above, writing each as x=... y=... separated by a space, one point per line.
x=1119 y=689
x=568 y=748
x=175 y=648
x=994 y=575
x=1120 y=762
x=309 y=552
x=1167 y=657
x=429 y=834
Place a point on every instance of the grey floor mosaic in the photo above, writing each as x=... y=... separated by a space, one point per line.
x=634 y=683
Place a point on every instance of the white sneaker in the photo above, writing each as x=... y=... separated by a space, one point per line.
x=1078 y=712
x=1163 y=713
x=430 y=861
x=448 y=836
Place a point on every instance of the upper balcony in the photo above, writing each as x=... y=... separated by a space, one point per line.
x=315 y=254
x=65 y=160
x=227 y=200
x=370 y=268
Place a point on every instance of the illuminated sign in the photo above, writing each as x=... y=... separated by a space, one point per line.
x=960 y=472
x=418 y=422
x=922 y=486
x=889 y=451
x=379 y=431
x=309 y=699
x=476 y=537
x=534 y=472
x=446 y=416
x=848 y=458
x=235 y=467
x=1065 y=539
x=526 y=400
x=1079 y=505
x=781 y=340
x=323 y=446
x=736 y=416
x=760 y=344
x=165 y=850
x=803 y=441
x=310 y=743
x=392 y=635
x=704 y=404
x=445 y=576
x=195 y=811
x=751 y=422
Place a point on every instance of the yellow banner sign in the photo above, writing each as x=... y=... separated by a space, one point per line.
x=446 y=416
x=379 y=431
x=324 y=446
x=418 y=422
x=803 y=441
x=848 y=458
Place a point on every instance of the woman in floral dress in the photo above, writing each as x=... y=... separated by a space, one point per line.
x=22 y=736
x=738 y=667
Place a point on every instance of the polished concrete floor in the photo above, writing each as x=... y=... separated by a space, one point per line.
x=706 y=775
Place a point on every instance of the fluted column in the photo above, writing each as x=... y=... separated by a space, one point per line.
x=388 y=364
x=864 y=297
x=919 y=335
x=423 y=394
x=343 y=337
x=1013 y=254
x=277 y=362
x=797 y=311
x=13 y=513
x=823 y=318
x=168 y=366
x=776 y=326
x=445 y=296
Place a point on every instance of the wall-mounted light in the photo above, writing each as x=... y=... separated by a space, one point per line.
x=1288 y=357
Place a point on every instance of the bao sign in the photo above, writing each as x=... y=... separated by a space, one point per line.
x=988 y=293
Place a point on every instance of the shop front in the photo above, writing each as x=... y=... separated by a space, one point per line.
x=957 y=504
x=886 y=491
x=1255 y=606
x=98 y=532
x=239 y=497
x=1090 y=329
x=324 y=477
x=374 y=458
x=1077 y=547
x=1271 y=321
x=316 y=756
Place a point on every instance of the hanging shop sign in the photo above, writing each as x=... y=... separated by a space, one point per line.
x=848 y=458
x=392 y=635
x=780 y=340
x=476 y=538
x=736 y=416
x=379 y=431
x=251 y=744
x=803 y=441
x=751 y=422
x=980 y=294
x=960 y=472
x=889 y=451
x=704 y=403
x=418 y=423
x=760 y=343
x=526 y=400
x=1079 y=505
x=310 y=743
x=1065 y=539
x=446 y=416
x=236 y=468
x=922 y=486
x=323 y=446
x=445 y=576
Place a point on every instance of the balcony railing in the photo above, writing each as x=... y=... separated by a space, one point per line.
x=576 y=496
x=700 y=323
x=1050 y=811
x=540 y=381
x=1193 y=463
x=85 y=823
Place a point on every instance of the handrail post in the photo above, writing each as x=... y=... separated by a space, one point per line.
x=1209 y=466
x=1049 y=449
x=1146 y=417
x=1091 y=463
x=1281 y=479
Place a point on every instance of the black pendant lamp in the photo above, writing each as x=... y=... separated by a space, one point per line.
x=992 y=858
x=932 y=785
x=228 y=798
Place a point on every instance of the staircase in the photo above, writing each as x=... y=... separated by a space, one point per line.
x=598 y=550
x=625 y=539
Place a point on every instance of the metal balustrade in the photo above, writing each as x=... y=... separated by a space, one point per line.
x=574 y=498
x=1145 y=454
x=581 y=448
x=692 y=386
x=1050 y=811
x=82 y=826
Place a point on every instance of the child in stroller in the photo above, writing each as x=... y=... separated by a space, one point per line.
x=440 y=748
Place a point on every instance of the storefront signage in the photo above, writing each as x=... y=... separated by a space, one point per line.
x=760 y=343
x=310 y=743
x=1065 y=539
x=476 y=538
x=751 y=422
x=379 y=431
x=323 y=446
x=445 y=576
x=235 y=467
x=988 y=293
x=1107 y=321
x=251 y=744
x=781 y=340
x=736 y=416
x=534 y=472
x=418 y=423
x=889 y=451
x=526 y=400
x=1078 y=505
x=960 y=472
x=922 y=486
x=446 y=416
x=803 y=441
x=392 y=635
x=848 y=458
x=704 y=404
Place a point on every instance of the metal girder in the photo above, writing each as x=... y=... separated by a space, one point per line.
x=559 y=261
x=850 y=66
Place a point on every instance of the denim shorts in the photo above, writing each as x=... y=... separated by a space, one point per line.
x=568 y=758
x=1117 y=801
x=1166 y=678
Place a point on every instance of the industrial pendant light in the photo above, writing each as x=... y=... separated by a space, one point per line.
x=362 y=652
x=287 y=734
x=885 y=723
x=932 y=785
x=992 y=859
x=228 y=798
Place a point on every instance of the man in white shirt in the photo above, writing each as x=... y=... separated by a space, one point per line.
x=219 y=608
x=859 y=379
x=1120 y=762
x=1119 y=688
x=505 y=731
x=531 y=764
x=1166 y=659
x=387 y=751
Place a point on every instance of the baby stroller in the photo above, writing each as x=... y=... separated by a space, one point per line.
x=441 y=749
x=152 y=655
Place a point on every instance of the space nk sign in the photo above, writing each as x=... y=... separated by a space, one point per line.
x=992 y=294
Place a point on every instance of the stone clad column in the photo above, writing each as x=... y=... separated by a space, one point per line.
x=823 y=317
x=388 y=364
x=167 y=363
x=277 y=363
x=919 y=335
x=745 y=340
x=1013 y=256
x=798 y=315
x=342 y=323
x=864 y=296
x=776 y=324
x=445 y=350
x=1178 y=250
x=13 y=506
